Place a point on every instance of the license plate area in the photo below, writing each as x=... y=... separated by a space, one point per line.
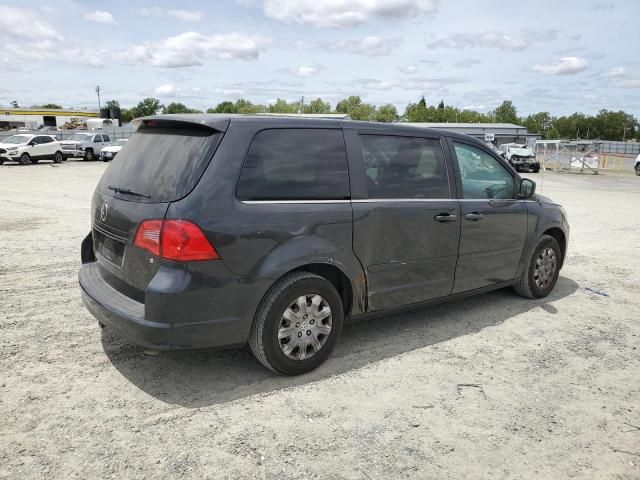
x=108 y=248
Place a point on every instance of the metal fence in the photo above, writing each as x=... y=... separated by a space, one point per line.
x=622 y=148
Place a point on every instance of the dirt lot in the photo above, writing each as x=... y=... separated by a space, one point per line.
x=490 y=387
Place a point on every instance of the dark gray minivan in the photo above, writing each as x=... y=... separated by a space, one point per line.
x=218 y=231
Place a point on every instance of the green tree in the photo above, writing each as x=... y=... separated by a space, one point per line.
x=178 y=108
x=441 y=104
x=48 y=105
x=506 y=113
x=317 y=106
x=223 y=107
x=282 y=106
x=148 y=106
x=246 y=107
x=387 y=114
x=112 y=104
x=356 y=109
x=125 y=115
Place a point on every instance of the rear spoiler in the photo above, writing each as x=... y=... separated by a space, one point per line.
x=186 y=121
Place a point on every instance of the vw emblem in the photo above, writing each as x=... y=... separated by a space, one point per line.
x=103 y=212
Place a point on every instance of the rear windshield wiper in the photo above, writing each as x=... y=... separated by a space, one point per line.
x=128 y=192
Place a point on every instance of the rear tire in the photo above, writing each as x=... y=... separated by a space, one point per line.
x=543 y=268
x=292 y=333
x=638 y=169
x=58 y=157
x=25 y=159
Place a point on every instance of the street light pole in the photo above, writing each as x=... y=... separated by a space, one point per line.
x=98 y=92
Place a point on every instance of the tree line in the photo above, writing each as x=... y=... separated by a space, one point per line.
x=605 y=125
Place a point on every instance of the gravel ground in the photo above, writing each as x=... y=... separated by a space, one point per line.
x=494 y=386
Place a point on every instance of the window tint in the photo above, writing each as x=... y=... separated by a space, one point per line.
x=106 y=138
x=482 y=175
x=164 y=163
x=290 y=164
x=404 y=167
x=97 y=139
x=45 y=139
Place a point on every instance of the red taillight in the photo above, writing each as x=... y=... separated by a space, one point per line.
x=148 y=236
x=178 y=240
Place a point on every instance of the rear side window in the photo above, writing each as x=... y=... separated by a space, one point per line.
x=164 y=163
x=404 y=167
x=295 y=164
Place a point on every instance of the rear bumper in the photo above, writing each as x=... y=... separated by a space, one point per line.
x=171 y=328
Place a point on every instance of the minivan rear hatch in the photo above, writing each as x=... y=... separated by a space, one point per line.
x=162 y=162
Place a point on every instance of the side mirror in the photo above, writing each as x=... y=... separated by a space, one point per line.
x=526 y=189
x=31 y=143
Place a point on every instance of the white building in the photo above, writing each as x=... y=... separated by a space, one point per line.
x=37 y=117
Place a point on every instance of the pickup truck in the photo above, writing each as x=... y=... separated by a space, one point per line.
x=85 y=145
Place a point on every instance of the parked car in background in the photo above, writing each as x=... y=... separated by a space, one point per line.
x=27 y=149
x=216 y=232
x=109 y=153
x=85 y=145
x=520 y=156
x=636 y=167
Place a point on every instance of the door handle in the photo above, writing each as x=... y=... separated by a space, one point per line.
x=445 y=217
x=474 y=217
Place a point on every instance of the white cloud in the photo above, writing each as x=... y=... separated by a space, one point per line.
x=191 y=48
x=100 y=16
x=498 y=40
x=408 y=69
x=628 y=83
x=306 y=71
x=343 y=13
x=182 y=15
x=483 y=40
x=371 y=46
x=616 y=72
x=26 y=37
x=565 y=66
x=165 y=91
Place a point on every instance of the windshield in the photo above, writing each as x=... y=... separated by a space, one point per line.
x=80 y=136
x=17 y=139
x=161 y=164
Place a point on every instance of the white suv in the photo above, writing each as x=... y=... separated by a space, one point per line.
x=27 y=149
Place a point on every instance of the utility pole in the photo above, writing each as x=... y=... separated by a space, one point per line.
x=98 y=92
x=624 y=133
x=302 y=105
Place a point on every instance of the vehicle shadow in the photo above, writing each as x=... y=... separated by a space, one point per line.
x=200 y=378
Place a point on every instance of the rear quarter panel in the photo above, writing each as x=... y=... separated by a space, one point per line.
x=267 y=240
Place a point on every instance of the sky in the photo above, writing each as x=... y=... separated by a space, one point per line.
x=556 y=56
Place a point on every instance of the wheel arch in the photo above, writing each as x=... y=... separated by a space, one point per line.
x=334 y=275
x=561 y=238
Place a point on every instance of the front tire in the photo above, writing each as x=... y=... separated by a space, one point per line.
x=297 y=324
x=541 y=274
x=89 y=155
x=25 y=159
x=536 y=169
x=638 y=169
x=58 y=157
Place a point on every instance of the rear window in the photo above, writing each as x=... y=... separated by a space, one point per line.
x=161 y=163
x=295 y=164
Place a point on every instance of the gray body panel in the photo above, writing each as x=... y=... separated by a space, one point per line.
x=393 y=253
